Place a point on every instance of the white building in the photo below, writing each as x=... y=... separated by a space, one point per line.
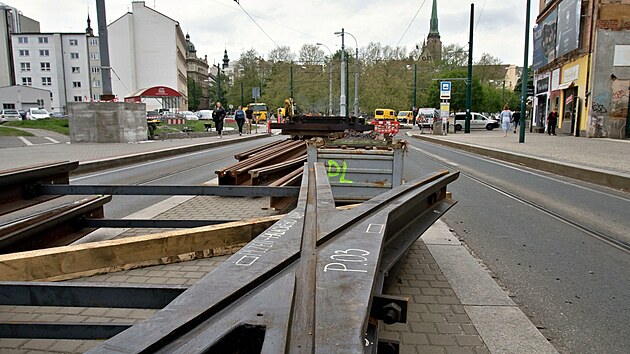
x=11 y=21
x=94 y=57
x=147 y=49
x=59 y=62
x=24 y=97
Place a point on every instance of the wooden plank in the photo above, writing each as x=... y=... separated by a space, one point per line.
x=68 y=262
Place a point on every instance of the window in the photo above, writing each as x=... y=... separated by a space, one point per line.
x=45 y=66
x=96 y=83
x=74 y=55
x=93 y=41
x=96 y=70
x=76 y=84
x=78 y=99
x=26 y=81
x=8 y=106
x=25 y=66
x=44 y=52
x=43 y=40
x=94 y=56
x=40 y=102
x=46 y=81
x=76 y=69
x=96 y=97
x=74 y=42
x=24 y=52
x=22 y=40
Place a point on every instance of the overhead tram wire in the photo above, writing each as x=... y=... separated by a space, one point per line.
x=480 y=13
x=410 y=23
x=248 y=15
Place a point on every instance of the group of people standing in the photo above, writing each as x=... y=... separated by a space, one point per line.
x=240 y=116
x=509 y=119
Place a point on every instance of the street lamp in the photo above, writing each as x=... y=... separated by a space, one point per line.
x=342 y=95
x=356 y=72
x=330 y=81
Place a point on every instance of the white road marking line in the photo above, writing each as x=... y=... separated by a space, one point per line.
x=52 y=140
x=25 y=141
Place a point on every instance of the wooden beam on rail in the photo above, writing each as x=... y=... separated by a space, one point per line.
x=69 y=262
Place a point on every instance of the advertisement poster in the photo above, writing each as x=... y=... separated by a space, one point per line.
x=568 y=27
x=545 y=41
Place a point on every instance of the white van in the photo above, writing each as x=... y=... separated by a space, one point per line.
x=37 y=113
x=425 y=117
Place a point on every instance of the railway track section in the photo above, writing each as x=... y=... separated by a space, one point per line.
x=314 y=282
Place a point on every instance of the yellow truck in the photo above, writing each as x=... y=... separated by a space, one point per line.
x=405 y=117
x=260 y=111
x=384 y=114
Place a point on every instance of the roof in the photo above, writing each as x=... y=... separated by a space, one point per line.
x=155 y=91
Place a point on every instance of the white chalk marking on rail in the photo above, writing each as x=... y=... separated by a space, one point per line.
x=375 y=228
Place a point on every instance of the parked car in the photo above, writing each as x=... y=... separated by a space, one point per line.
x=58 y=115
x=188 y=115
x=22 y=113
x=37 y=113
x=9 y=115
x=404 y=116
x=425 y=117
x=205 y=114
x=477 y=121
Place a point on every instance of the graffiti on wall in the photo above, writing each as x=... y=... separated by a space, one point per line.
x=619 y=99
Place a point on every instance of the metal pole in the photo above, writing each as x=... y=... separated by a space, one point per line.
x=219 y=82
x=356 y=83
x=330 y=81
x=347 y=88
x=524 y=78
x=469 y=80
x=103 y=46
x=291 y=80
x=342 y=96
x=415 y=76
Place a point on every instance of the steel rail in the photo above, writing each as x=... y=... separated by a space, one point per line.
x=312 y=282
x=225 y=191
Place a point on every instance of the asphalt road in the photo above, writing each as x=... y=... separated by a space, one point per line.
x=520 y=223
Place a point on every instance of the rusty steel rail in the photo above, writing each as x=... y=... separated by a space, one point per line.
x=313 y=282
x=271 y=154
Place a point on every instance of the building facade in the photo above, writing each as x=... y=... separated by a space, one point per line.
x=582 y=65
x=25 y=97
x=147 y=49
x=197 y=72
x=58 y=62
x=11 y=21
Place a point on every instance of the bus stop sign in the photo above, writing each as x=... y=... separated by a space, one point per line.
x=445 y=90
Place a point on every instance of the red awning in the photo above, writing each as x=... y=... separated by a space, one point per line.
x=152 y=92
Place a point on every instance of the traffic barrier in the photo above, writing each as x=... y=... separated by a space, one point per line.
x=175 y=121
x=386 y=127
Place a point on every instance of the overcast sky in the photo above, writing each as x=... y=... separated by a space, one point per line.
x=215 y=25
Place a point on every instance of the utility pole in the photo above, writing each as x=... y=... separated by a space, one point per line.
x=330 y=81
x=524 y=78
x=291 y=80
x=413 y=110
x=469 y=80
x=103 y=47
x=342 y=96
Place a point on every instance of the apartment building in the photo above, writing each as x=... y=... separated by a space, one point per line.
x=11 y=21
x=147 y=49
x=58 y=62
x=582 y=66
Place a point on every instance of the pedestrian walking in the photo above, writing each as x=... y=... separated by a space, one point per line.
x=516 y=119
x=218 y=115
x=506 y=117
x=249 y=116
x=239 y=117
x=552 y=120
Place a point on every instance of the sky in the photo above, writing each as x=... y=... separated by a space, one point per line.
x=215 y=25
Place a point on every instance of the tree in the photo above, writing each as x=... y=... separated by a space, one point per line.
x=454 y=56
x=281 y=54
x=194 y=94
x=458 y=91
x=488 y=59
x=311 y=53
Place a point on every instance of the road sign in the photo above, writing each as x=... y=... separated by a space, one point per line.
x=445 y=90
x=255 y=92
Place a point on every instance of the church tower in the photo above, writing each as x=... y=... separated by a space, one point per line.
x=432 y=50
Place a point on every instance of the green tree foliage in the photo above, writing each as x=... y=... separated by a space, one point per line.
x=458 y=92
x=194 y=94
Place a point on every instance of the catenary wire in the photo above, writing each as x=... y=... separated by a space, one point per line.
x=410 y=23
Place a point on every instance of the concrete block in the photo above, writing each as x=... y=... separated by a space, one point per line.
x=107 y=122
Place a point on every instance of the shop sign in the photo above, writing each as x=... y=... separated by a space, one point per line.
x=542 y=85
x=571 y=74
